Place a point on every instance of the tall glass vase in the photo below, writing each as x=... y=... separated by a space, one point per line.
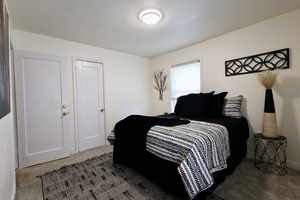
x=270 y=127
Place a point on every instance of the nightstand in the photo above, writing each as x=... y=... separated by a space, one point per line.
x=270 y=154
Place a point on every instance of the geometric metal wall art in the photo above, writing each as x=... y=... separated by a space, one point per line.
x=279 y=59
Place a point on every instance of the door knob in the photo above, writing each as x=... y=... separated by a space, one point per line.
x=65 y=113
x=101 y=110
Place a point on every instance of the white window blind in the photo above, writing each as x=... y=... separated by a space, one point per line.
x=185 y=79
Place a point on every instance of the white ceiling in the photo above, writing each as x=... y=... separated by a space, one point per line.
x=114 y=24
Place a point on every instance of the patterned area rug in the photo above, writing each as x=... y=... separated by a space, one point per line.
x=99 y=179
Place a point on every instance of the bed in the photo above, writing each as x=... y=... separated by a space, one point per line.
x=168 y=149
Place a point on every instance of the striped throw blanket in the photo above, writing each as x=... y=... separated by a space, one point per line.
x=199 y=148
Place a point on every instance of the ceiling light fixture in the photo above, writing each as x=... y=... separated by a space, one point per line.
x=150 y=16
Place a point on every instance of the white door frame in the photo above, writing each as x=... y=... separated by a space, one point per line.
x=20 y=97
x=14 y=100
x=76 y=135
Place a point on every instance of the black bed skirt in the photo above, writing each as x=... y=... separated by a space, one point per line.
x=164 y=173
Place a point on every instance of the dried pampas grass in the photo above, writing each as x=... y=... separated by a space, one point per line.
x=160 y=83
x=268 y=79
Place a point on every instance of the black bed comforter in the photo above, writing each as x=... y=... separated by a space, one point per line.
x=130 y=149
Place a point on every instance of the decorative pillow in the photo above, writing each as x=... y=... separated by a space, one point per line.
x=232 y=107
x=194 y=105
x=179 y=105
x=217 y=104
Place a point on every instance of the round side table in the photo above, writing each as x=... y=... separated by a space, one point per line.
x=270 y=154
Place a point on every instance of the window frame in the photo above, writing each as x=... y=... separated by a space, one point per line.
x=170 y=72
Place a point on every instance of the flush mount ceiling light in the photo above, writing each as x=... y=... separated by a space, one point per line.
x=150 y=16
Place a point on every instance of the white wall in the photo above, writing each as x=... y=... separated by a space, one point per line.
x=127 y=77
x=7 y=155
x=276 y=33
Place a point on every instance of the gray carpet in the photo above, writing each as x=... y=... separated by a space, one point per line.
x=99 y=179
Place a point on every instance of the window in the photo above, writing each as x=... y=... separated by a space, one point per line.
x=185 y=79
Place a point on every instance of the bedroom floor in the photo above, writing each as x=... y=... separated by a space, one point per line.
x=247 y=183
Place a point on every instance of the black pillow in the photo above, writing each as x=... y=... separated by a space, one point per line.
x=179 y=105
x=217 y=104
x=194 y=105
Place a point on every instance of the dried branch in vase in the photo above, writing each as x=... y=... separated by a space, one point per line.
x=160 y=83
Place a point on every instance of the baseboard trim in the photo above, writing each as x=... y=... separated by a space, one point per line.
x=13 y=195
x=293 y=165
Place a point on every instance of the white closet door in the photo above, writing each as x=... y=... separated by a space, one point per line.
x=41 y=124
x=90 y=104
